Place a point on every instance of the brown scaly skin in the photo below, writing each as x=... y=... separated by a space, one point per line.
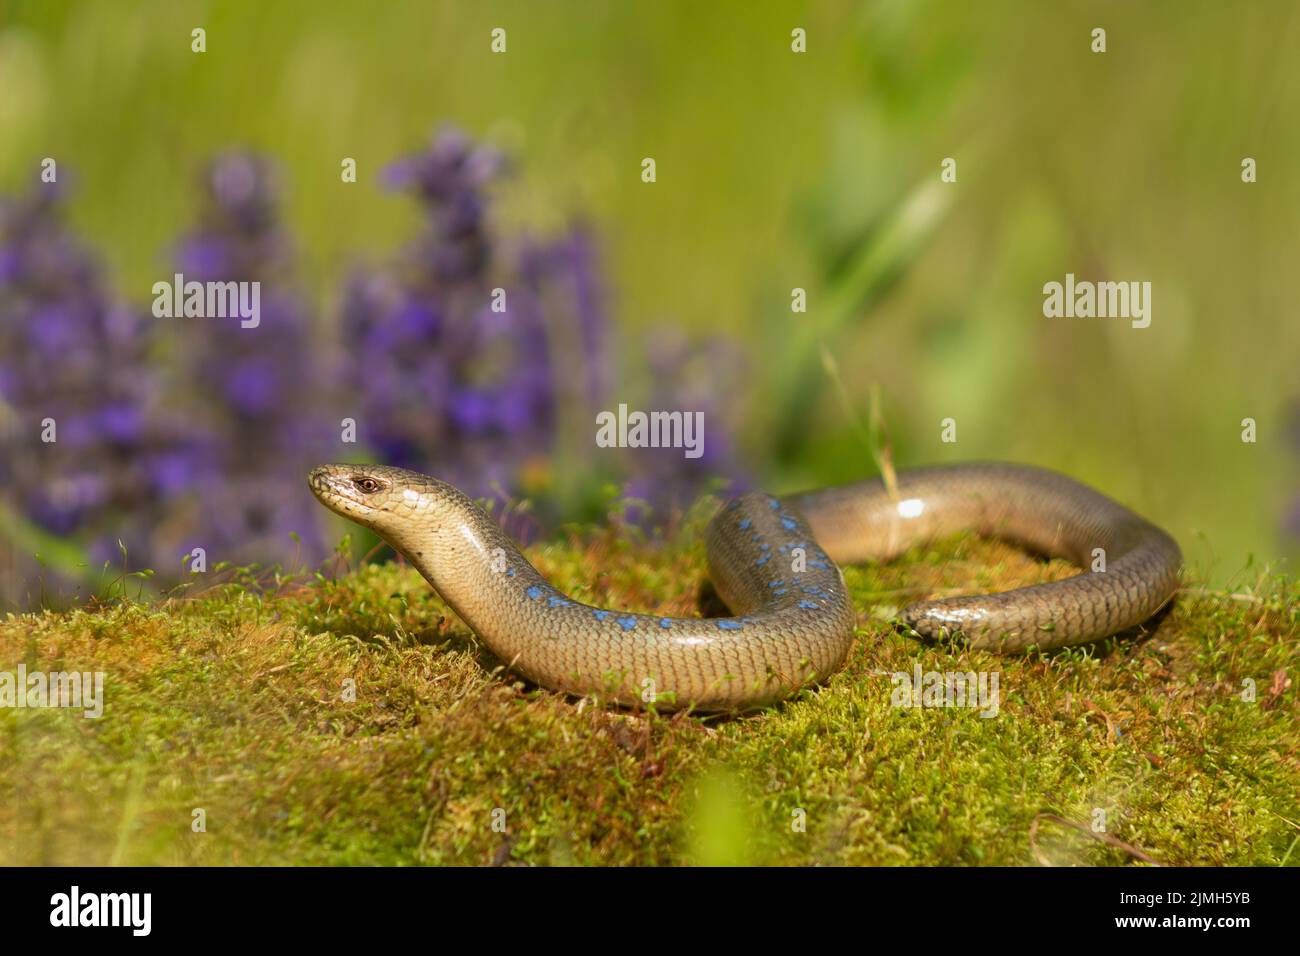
x=793 y=621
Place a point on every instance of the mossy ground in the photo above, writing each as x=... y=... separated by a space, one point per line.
x=233 y=701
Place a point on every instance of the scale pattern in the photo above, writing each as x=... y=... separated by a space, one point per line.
x=774 y=561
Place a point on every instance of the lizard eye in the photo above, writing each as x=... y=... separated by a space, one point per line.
x=367 y=485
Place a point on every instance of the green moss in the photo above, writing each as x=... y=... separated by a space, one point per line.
x=233 y=701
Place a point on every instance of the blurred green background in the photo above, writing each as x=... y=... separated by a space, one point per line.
x=779 y=170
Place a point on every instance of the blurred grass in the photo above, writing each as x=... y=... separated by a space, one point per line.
x=234 y=703
x=776 y=171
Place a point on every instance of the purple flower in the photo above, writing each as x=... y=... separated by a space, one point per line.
x=256 y=383
x=1291 y=433
x=455 y=356
x=8 y=264
x=694 y=379
x=1291 y=523
x=73 y=358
